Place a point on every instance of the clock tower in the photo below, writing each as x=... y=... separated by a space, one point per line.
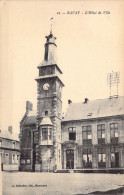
x=49 y=110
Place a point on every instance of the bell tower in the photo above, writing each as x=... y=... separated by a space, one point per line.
x=49 y=110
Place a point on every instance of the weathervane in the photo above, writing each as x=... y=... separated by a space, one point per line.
x=51 y=25
x=113 y=79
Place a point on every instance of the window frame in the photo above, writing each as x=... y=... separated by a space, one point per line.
x=72 y=130
x=45 y=133
x=114 y=129
x=87 y=130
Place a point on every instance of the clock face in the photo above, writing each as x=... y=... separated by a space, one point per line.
x=46 y=86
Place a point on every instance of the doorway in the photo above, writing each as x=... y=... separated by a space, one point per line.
x=117 y=159
x=70 y=159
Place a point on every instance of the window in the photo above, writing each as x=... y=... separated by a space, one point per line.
x=23 y=161
x=44 y=133
x=28 y=161
x=0 y=143
x=87 y=158
x=72 y=133
x=46 y=113
x=101 y=157
x=17 y=157
x=114 y=132
x=50 y=133
x=101 y=133
x=114 y=157
x=87 y=134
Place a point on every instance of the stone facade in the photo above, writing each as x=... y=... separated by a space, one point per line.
x=91 y=135
x=105 y=152
x=49 y=106
x=9 y=151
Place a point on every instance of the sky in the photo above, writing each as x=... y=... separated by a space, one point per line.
x=88 y=47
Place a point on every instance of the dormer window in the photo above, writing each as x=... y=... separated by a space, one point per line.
x=89 y=114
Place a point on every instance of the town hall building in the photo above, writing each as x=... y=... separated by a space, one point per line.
x=90 y=136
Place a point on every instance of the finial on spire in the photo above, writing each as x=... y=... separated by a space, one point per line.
x=51 y=25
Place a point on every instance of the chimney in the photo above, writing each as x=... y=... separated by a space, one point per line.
x=69 y=102
x=86 y=100
x=29 y=106
x=10 y=129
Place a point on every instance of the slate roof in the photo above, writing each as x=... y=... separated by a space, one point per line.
x=95 y=109
x=46 y=121
x=7 y=135
x=31 y=118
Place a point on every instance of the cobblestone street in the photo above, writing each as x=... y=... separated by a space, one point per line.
x=24 y=183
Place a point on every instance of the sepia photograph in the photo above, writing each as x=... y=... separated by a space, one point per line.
x=61 y=97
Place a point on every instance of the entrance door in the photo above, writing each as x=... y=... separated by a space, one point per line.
x=117 y=159
x=70 y=159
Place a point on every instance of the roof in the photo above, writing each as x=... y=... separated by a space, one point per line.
x=49 y=62
x=31 y=118
x=7 y=135
x=48 y=65
x=95 y=109
x=46 y=121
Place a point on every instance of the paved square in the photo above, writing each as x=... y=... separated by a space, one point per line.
x=24 y=183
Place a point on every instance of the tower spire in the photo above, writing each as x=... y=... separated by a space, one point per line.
x=51 y=25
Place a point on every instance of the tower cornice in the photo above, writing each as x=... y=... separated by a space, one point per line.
x=49 y=76
x=49 y=65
